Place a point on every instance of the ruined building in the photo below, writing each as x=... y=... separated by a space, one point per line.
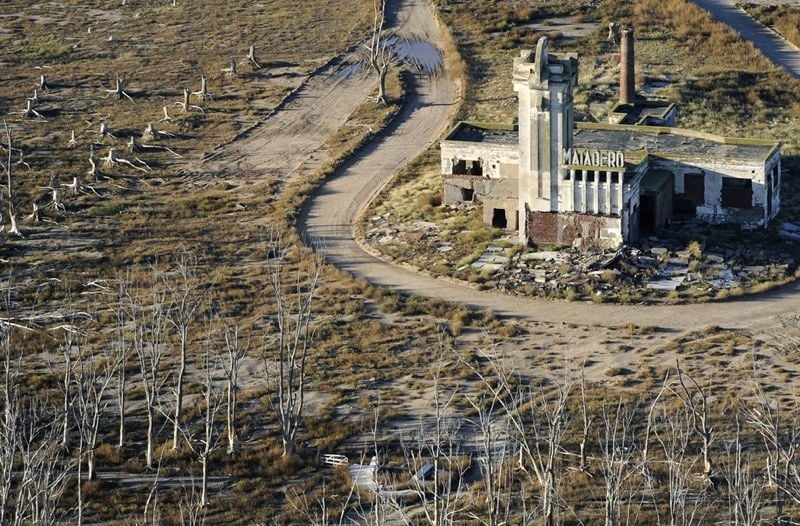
x=561 y=182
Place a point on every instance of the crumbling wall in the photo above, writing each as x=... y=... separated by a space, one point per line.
x=497 y=160
x=713 y=209
x=581 y=230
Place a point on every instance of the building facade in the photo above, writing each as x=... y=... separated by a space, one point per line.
x=558 y=182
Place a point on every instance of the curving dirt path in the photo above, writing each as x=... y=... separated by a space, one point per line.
x=328 y=220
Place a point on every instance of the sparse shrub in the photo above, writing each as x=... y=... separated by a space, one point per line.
x=695 y=249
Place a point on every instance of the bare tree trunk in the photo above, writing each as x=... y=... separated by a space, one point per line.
x=185 y=301
x=285 y=357
x=235 y=350
x=697 y=401
x=149 y=328
x=378 y=53
x=616 y=458
x=119 y=89
x=12 y=213
x=251 y=58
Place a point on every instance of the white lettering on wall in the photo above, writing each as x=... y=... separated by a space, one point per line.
x=598 y=158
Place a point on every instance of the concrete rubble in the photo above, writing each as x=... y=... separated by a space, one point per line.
x=657 y=266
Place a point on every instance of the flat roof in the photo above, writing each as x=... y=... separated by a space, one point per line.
x=669 y=142
x=489 y=133
x=658 y=140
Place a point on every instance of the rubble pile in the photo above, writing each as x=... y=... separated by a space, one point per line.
x=655 y=268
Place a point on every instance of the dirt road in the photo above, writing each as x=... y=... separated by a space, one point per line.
x=772 y=45
x=329 y=216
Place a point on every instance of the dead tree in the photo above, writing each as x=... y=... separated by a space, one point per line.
x=586 y=420
x=377 y=52
x=185 y=301
x=185 y=105
x=231 y=70
x=672 y=430
x=29 y=111
x=495 y=459
x=119 y=89
x=151 y=133
x=696 y=400
x=13 y=228
x=135 y=146
x=149 y=327
x=616 y=459
x=43 y=84
x=234 y=350
x=203 y=93
x=285 y=356
x=112 y=160
x=121 y=348
x=205 y=443
x=105 y=131
x=439 y=445
x=745 y=487
x=539 y=419
x=94 y=375
x=779 y=429
x=166 y=117
x=251 y=58
x=72 y=143
x=35 y=215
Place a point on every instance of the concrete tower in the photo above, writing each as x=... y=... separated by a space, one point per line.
x=544 y=85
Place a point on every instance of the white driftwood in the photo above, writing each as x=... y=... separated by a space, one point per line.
x=72 y=143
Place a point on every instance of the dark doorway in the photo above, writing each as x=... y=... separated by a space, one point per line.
x=694 y=188
x=467 y=194
x=647 y=214
x=499 y=218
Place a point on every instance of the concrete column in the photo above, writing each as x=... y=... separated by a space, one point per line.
x=608 y=193
x=583 y=191
x=620 y=189
x=571 y=203
x=596 y=193
x=627 y=74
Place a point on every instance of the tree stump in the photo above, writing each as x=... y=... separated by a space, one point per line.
x=185 y=105
x=119 y=90
x=43 y=85
x=251 y=58
x=166 y=117
x=29 y=112
x=231 y=70
x=203 y=93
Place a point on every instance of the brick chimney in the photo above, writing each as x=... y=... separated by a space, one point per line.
x=627 y=76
